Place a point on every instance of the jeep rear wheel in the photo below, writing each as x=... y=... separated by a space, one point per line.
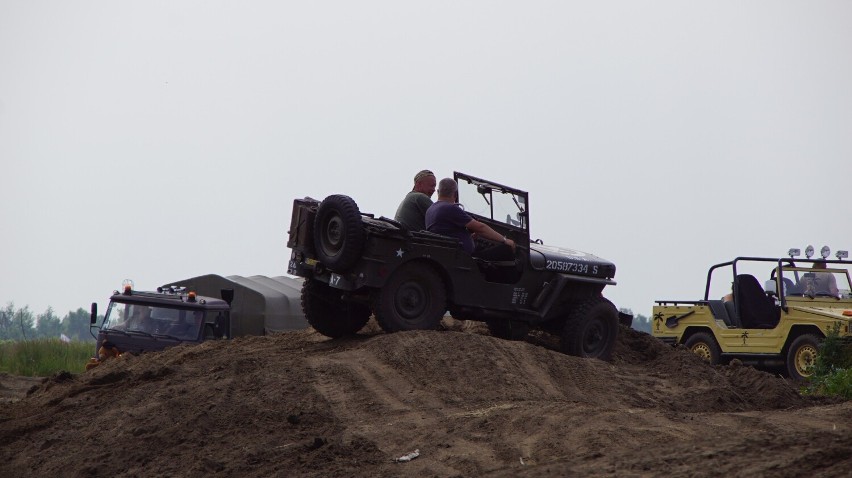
x=590 y=330
x=413 y=298
x=338 y=232
x=705 y=346
x=801 y=357
x=328 y=314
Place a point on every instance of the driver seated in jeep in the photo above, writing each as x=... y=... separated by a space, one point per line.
x=818 y=283
x=446 y=217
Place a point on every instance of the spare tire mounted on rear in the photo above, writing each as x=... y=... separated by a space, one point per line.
x=339 y=234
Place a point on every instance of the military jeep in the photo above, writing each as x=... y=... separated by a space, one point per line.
x=356 y=265
x=777 y=325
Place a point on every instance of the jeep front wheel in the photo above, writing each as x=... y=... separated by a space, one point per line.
x=338 y=232
x=328 y=314
x=801 y=357
x=590 y=330
x=705 y=346
x=413 y=298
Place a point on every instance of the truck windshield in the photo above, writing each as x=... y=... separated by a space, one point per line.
x=180 y=323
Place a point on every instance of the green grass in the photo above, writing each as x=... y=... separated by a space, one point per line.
x=44 y=357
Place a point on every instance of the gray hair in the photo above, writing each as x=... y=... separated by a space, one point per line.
x=447 y=187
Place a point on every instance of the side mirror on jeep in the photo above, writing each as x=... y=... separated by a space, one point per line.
x=94 y=314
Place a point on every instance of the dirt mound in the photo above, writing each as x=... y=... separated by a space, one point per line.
x=298 y=404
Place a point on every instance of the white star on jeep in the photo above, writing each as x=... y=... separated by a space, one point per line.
x=399 y=252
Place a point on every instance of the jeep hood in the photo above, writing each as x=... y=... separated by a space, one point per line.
x=834 y=313
x=569 y=261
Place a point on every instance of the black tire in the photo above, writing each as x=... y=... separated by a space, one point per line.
x=413 y=298
x=801 y=356
x=705 y=346
x=591 y=329
x=328 y=314
x=338 y=233
x=508 y=329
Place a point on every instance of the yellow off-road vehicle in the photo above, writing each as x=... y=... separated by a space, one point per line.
x=779 y=324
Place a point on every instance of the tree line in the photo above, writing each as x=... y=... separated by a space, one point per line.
x=23 y=324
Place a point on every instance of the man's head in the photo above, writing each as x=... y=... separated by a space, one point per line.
x=424 y=182
x=448 y=189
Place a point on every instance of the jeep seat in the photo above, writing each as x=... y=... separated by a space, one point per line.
x=719 y=310
x=731 y=309
x=757 y=310
x=788 y=286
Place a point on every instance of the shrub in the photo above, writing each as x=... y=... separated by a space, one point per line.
x=833 y=370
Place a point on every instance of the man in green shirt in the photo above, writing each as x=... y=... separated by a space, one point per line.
x=411 y=212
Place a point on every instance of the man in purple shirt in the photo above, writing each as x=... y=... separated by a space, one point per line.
x=446 y=217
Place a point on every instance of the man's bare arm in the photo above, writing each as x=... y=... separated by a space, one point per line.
x=484 y=230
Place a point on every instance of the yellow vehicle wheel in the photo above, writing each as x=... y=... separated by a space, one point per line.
x=704 y=345
x=801 y=357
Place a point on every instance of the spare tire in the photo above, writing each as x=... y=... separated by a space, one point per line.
x=338 y=232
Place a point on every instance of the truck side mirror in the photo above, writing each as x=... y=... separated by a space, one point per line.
x=94 y=316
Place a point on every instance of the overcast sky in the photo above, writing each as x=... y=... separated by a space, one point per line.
x=160 y=140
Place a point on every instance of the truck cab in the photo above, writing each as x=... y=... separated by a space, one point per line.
x=147 y=321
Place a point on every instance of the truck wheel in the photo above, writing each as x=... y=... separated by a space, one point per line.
x=414 y=298
x=328 y=314
x=338 y=232
x=801 y=357
x=705 y=346
x=508 y=329
x=591 y=329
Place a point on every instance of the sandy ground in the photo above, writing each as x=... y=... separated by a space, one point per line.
x=299 y=404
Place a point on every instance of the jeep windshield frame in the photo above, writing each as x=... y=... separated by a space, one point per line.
x=499 y=203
